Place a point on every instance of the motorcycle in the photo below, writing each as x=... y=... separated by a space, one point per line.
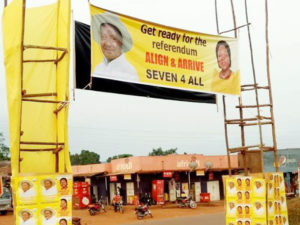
x=186 y=202
x=98 y=207
x=76 y=221
x=143 y=210
x=118 y=206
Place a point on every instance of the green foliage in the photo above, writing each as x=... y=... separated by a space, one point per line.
x=84 y=158
x=118 y=157
x=160 y=151
x=4 y=150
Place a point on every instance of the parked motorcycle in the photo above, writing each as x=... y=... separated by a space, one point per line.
x=143 y=210
x=98 y=207
x=76 y=221
x=186 y=202
x=118 y=206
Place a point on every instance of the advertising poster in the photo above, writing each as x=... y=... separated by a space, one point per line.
x=65 y=184
x=48 y=214
x=136 y=51
x=245 y=200
x=277 y=207
x=27 y=215
x=27 y=189
x=43 y=199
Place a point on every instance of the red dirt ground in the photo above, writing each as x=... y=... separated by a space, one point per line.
x=112 y=218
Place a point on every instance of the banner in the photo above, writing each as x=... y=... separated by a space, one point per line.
x=83 y=77
x=136 y=51
x=43 y=199
x=255 y=200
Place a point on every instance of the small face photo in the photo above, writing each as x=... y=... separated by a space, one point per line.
x=231 y=205
x=240 y=210
x=48 y=183
x=48 y=216
x=63 y=183
x=258 y=205
x=239 y=195
x=63 y=222
x=247 y=209
x=224 y=59
x=247 y=195
x=25 y=185
x=63 y=204
x=247 y=222
x=231 y=185
x=239 y=222
x=25 y=214
x=26 y=189
x=247 y=182
x=257 y=184
x=239 y=182
x=48 y=187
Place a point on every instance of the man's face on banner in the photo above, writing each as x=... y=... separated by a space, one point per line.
x=111 y=42
x=25 y=186
x=25 y=216
x=223 y=58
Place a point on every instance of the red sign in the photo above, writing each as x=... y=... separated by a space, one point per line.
x=113 y=178
x=210 y=176
x=1 y=187
x=167 y=174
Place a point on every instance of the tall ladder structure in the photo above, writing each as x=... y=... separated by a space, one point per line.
x=54 y=98
x=259 y=120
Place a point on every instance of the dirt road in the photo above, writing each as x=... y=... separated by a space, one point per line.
x=129 y=217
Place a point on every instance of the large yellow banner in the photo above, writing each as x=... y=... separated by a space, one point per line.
x=133 y=50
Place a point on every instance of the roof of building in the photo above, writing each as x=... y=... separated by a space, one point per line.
x=152 y=164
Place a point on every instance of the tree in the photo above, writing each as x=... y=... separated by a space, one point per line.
x=160 y=151
x=4 y=150
x=84 y=158
x=118 y=157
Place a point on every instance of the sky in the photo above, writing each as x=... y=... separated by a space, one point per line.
x=112 y=124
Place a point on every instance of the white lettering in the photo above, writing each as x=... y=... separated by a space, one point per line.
x=124 y=166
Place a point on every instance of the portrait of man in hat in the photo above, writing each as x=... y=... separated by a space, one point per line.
x=258 y=209
x=48 y=187
x=114 y=41
x=26 y=217
x=48 y=217
x=26 y=189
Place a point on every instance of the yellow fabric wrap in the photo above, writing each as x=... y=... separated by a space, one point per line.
x=46 y=26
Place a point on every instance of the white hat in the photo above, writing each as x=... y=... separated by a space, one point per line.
x=114 y=20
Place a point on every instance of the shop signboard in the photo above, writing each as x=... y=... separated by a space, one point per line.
x=113 y=178
x=167 y=174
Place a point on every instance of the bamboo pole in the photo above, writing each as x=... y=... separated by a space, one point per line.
x=234 y=29
x=40 y=95
x=22 y=74
x=255 y=89
x=254 y=106
x=216 y=13
x=240 y=99
x=270 y=89
x=43 y=101
x=45 y=47
x=40 y=143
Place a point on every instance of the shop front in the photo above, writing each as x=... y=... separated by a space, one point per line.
x=164 y=178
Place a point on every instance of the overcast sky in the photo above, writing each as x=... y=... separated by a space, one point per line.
x=111 y=124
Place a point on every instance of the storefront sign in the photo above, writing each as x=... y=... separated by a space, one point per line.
x=113 y=178
x=200 y=173
x=1 y=187
x=185 y=163
x=127 y=176
x=167 y=174
x=124 y=166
